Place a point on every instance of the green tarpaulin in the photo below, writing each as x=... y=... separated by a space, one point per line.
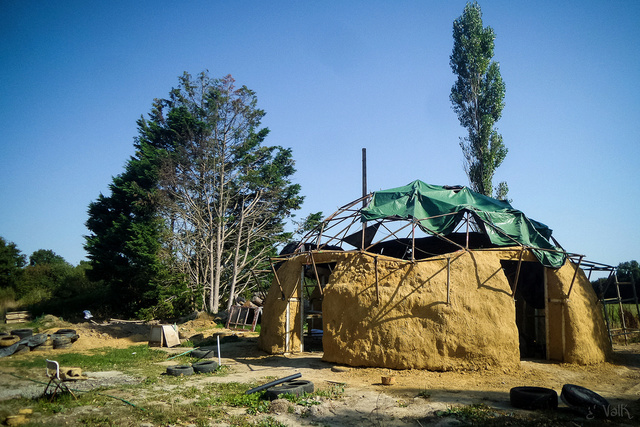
x=439 y=210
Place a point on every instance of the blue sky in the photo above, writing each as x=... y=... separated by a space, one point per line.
x=334 y=77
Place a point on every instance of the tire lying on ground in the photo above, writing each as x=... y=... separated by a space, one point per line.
x=205 y=366
x=296 y=388
x=70 y=333
x=178 y=370
x=22 y=333
x=201 y=353
x=8 y=340
x=533 y=398
x=61 y=341
x=584 y=401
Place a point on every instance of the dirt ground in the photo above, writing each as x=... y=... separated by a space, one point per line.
x=416 y=394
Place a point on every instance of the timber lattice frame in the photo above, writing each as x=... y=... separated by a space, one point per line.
x=346 y=227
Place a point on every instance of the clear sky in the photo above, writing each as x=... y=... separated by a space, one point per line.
x=334 y=77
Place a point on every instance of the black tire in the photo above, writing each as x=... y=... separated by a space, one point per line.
x=296 y=388
x=22 y=333
x=60 y=341
x=533 y=398
x=8 y=340
x=200 y=353
x=69 y=333
x=179 y=370
x=584 y=401
x=206 y=366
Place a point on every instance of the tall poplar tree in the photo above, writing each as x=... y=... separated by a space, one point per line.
x=478 y=99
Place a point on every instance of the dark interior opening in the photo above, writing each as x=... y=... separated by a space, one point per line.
x=312 y=303
x=530 y=307
x=426 y=247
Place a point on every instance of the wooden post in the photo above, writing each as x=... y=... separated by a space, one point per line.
x=315 y=270
x=375 y=263
x=575 y=273
x=275 y=273
x=515 y=284
x=413 y=240
x=364 y=192
x=467 y=223
x=448 y=280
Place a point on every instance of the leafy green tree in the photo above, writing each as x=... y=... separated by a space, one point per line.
x=11 y=263
x=629 y=272
x=44 y=277
x=45 y=256
x=308 y=224
x=226 y=195
x=478 y=99
x=127 y=232
x=202 y=199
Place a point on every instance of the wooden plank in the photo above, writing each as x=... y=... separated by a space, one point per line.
x=171 y=338
x=17 y=316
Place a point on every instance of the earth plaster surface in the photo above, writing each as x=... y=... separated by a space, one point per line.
x=413 y=399
x=451 y=312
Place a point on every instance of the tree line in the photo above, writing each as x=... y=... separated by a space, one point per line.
x=45 y=283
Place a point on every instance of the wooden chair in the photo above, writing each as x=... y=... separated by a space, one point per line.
x=53 y=372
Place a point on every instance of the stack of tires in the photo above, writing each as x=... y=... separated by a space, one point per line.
x=64 y=338
x=21 y=340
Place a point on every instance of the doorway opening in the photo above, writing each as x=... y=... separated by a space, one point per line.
x=530 y=307
x=313 y=286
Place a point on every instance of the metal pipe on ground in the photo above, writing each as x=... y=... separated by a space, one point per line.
x=273 y=383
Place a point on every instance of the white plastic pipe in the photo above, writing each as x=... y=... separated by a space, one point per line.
x=219 y=359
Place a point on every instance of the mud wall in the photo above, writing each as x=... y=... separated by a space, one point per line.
x=273 y=328
x=576 y=328
x=407 y=323
x=275 y=337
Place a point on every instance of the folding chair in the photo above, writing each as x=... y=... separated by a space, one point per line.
x=53 y=372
